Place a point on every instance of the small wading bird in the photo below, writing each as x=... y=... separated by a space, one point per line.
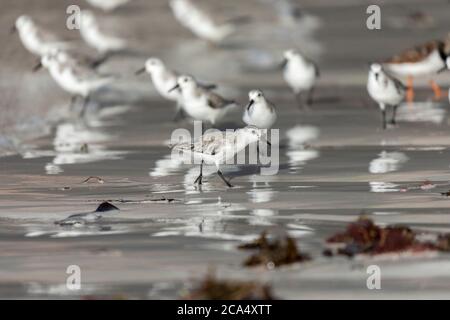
x=107 y=5
x=201 y=103
x=164 y=79
x=36 y=39
x=215 y=148
x=385 y=90
x=259 y=111
x=96 y=38
x=199 y=23
x=73 y=77
x=300 y=74
x=424 y=60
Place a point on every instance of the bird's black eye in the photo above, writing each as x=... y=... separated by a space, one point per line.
x=259 y=94
x=185 y=80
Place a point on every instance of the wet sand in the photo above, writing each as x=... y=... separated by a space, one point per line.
x=154 y=249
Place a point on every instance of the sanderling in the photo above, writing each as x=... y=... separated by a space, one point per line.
x=198 y=22
x=96 y=38
x=259 y=112
x=200 y=103
x=215 y=148
x=301 y=74
x=164 y=79
x=75 y=78
x=107 y=5
x=425 y=59
x=37 y=39
x=385 y=90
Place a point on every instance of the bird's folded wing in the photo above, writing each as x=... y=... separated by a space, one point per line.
x=416 y=54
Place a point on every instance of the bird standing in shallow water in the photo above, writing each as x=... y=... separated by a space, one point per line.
x=36 y=39
x=385 y=90
x=73 y=77
x=200 y=103
x=426 y=59
x=164 y=79
x=301 y=75
x=259 y=111
x=216 y=147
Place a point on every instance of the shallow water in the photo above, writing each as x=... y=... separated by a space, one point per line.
x=335 y=163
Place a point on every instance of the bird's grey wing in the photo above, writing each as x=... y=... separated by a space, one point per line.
x=208 y=86
x=217 y=102
x=397 y=83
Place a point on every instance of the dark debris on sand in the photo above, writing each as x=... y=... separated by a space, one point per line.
x=273 y=253
x=211 y=288
x=364 y=237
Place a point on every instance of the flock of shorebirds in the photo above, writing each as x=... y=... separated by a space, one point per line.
x=199 y=101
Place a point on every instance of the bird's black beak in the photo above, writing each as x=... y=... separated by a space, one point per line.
x=283 y=63
x=38 y=66
x=174 y=88
x=13 y=29
x=140 y=71
x=376 y=76
x=250 y=103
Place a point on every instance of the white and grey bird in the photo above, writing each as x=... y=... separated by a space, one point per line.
x=107 y=5
x=36 y=39
x=73 y=77
x=385 y=90
x=216 y=147
x=200 y=103
x=259 y=112
x=92 y=34
x=301 y=75
x=164 y=79
x=199 y=22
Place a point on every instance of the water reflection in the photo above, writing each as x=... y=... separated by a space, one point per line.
x=78 y=144
x=167 y=166
x=421 y=112
x=387 y=162
x=298 y=137
x=383 y=187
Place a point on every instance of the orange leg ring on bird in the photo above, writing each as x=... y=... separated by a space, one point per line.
x=410 y=90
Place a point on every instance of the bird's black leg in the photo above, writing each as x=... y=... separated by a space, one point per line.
x=179 y=115
x=199 y=178
x=223 y=178
x=85 y=105
x=394 y=114
x=383 y=117
x=298 y=97
x=73 y=101
x=310 y=99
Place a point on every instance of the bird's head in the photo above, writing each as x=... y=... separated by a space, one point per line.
x=23 y=22
x=255 y=96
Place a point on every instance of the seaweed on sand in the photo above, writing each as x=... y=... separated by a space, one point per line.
x=273 y=253
x=211 y=288
x=364 y=237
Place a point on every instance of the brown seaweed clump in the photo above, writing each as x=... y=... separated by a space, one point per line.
x=211 y=288
x=364 y=237
x=275 y=253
